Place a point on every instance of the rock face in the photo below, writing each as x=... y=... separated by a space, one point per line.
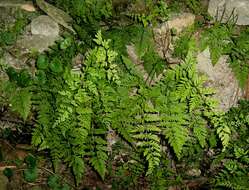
x=38 y=43
x=241 y=8
x=163 y=37
x=220 y=78
x=181 y=22
x=25 y=5
x=44 y=25
x=56 y=14
x=44 y=32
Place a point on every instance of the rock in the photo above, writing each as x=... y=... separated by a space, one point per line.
x=221 y=78
x=12 y=61
x=38 y=43
x=25 y=5
x=181 y=22
x=205 y=64
x=3 y=182
x=194 y=172
x=163 y=37
x=241 y=8
x=39 y=35
x=132 y=54
x=56 y=14
x=44 y=25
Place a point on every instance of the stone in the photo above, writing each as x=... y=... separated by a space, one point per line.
x=205 y=64
x=221 y=78
x=39 y=35
x=56 y=14
x=44 y=25
x=194 y=172
x=132 y=54
x=24 y=5
x=163 y=37
x=180 y=22
x=37 y=43
x=12 y=61
x=217 y=8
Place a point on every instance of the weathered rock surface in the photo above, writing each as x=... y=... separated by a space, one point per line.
x=241 y=8
x=12 y=61
x=44 y=33
x=163 y=37
x=25 y=5
x=181 y=21
x=56 y=14
x=221 y=78
x=38 y=43
x=44 y=25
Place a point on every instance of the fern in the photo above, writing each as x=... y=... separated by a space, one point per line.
x=99 y=156
x=222 y=129
x=21 y=102
x=148 y=12
x=232 y=176
x=18 y=98
x=147 y=138
x=238 y=53
x=201 y=133
x=217 y=38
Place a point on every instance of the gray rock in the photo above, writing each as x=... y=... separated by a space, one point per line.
x=12 y=61
x=23 y=4
x=221 y=78
x=38 y=43
x=58 y=15
x=39 y=35
x=205 y=64
x=217 y=8
x=44 y=25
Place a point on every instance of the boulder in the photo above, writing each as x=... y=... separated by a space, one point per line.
x=44 y=31
x=221 y=78
x=44 y=25
x=224 y=9
x=37 y=43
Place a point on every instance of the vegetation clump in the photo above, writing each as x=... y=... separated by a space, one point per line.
x=104 y=115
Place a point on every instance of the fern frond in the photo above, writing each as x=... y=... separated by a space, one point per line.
x=201 y=133
x=177 y=137
x=224 y=134
x=99 y=156
x=21 y=102
x=78 y=167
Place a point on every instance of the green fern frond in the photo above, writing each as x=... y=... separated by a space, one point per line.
x=224 y=134
x=21 y=102
x=177 y=137
x=78 y=167
x=99 y=156
x=37 y=137
x=201 y=133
